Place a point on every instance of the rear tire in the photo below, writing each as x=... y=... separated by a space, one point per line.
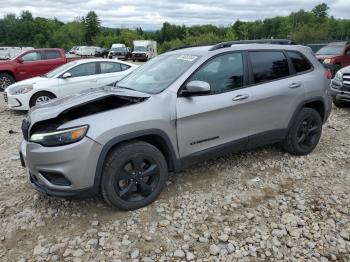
x=41 y=97
x=133 y=175
x=5 y=81
x=340 y=104
x=304 y=134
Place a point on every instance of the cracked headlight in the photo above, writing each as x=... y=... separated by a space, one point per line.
x=60 y=137
x=17 y=90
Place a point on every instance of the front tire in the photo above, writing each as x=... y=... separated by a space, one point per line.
x=304 y=134
x=40 y=98
x=5 y=81
x=133 y=175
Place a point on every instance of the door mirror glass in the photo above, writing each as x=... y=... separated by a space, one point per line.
x=66 y=75
x=196 y=88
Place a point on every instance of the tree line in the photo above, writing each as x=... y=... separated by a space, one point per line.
x=302 y=26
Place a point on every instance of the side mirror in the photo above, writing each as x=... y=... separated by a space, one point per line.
x=66 y=75
x=19 y=60
x=196 y=88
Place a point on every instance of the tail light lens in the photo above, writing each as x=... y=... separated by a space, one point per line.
x=329 y=74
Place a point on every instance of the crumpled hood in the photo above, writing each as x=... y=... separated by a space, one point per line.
x=56 y=106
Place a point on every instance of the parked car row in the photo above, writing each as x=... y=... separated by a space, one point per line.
x=66 y=80
x=9 y=52
x=143 y=50
x=31 y=63
x=181 y=107
x=89 y=51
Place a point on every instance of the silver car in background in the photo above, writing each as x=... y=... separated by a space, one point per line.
x=181 y=107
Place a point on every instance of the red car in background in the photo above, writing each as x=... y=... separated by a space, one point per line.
x=334 y=56
x=31 y=63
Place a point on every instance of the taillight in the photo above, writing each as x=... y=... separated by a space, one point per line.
x=329 y=74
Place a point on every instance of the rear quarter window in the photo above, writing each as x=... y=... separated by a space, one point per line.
x=300 y=63
x=268 y=65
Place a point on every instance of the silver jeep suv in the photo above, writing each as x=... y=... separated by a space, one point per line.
x=182 y=107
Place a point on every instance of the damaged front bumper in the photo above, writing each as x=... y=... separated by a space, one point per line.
x=63 y=171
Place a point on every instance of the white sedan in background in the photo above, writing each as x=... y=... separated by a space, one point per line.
x=66 y=80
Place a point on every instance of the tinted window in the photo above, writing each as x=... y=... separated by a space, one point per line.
x=223 y=73
x=268 y=65
x=83 y=70
x=299 y=61
x=110 y=67
x=32 y=56
x=52 y=54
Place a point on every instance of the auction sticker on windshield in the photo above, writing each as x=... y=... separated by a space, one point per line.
x=189 y=58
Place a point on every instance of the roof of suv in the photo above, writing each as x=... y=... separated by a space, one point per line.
x=205 y=50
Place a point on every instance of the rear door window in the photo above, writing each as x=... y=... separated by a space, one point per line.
x=268 y=65
x=124 y=67
x=300 y=63
x=52 y=55
x=110 y=67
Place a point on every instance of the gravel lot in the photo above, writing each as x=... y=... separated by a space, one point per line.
x=260 y=205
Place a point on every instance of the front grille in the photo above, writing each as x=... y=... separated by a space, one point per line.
x=346 y=82
x=5 y=97
x=25 y=129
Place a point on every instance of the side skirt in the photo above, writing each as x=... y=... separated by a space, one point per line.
x=265 y=138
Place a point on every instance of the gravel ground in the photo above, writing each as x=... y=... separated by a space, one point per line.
x=260 y=205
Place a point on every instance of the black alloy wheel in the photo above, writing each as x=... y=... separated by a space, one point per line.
x=133 y=175
x=136 y=179
x=304 y=133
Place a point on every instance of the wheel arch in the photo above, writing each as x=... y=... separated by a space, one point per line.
x=316 y=103
x=155 y=137
x=9 y=72
x=38 y=92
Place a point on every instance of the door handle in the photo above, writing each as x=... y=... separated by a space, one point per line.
x=240 y=97
x=93 y=80
x=294 y=85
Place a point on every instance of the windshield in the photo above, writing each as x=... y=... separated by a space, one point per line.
x=330 y=50
x=119 y=49
x=140 y=48
x=158 y=74
x=60 y=69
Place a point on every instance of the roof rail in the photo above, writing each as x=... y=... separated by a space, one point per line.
x=339 y=43
x=187 y=46
x=260 y=41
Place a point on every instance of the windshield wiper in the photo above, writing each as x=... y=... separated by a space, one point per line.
x=124 y=87
x=128 y=88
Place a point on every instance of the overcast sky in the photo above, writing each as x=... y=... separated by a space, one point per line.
x=150 y=14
